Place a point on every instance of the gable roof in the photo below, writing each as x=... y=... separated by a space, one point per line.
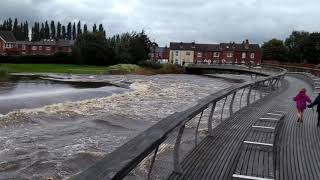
x=214 y=47
x=7 y=36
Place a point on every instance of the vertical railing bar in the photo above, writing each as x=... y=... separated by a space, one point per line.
x=222 y=110
x=231 y=104
x=255 y=93
x=210 y=118
x=176 y=152
x=196 y=136
x=248 y=96
x=241 y=98
x=152 y=162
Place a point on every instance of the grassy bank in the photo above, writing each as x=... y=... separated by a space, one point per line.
x=84 y=69
x=3 y=72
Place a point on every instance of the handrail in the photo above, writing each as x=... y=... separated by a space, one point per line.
x=117 y=164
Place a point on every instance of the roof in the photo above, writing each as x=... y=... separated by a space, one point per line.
x=7 y=36
x=159 y=49
x=59 y=43
x=214 y=47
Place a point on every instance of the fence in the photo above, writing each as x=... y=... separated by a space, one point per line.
x=158 y=151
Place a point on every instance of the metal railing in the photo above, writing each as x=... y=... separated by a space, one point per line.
x=137 y=158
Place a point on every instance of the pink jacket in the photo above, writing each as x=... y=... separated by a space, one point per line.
x=301 y=100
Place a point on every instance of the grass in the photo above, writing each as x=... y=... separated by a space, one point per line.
x=3 y=72
x=84 y=69
x=54 y=68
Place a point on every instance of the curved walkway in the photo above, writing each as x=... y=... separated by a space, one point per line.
x=297 y=149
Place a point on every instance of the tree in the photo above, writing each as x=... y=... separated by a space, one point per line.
x=74 y=31
x=91 y=48
x=46 y=31
x=9 y=25
x=42 y=32
x=53 y=30
x=312 y=48
x=85 y=28
x=296 y=44
x=79 y=28
x=26 y=30
x=64 y=33
x=59 y=31
x=36 y=32
x=274 y=50
x=94 y=28
x=69 y=33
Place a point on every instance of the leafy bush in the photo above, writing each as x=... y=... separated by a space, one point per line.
x=150 y=64
x=172 y=69
x=123 y=69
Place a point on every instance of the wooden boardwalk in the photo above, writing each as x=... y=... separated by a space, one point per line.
x=296 y=154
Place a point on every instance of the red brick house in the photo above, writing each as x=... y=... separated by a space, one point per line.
x=243 y=53
x=8 y=43
x=10 y=46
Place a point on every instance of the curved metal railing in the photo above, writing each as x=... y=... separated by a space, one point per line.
x=137 y=158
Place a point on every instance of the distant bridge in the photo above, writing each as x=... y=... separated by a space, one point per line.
x=246 y=131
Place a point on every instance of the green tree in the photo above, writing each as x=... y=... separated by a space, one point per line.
x=69 y=31
x=42 y=32
x=59 y=31
x=274 y=50
x=53 y=30
x=26 y=30
x=94 y=28
x=74 y=31
x=85 y=28
x=296 y=43
x=79 y=30
x=91 y=48
x=63 y=33
x=46 y=31
x=312 y=48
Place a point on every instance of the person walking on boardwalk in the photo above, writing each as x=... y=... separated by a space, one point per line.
x=316 y=102
x=301 y=103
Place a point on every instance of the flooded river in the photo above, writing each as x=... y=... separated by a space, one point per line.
x=52 y=130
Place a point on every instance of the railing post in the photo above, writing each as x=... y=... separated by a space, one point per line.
x=176 y=152
x=248 y=96
x=211 y=118
x=231 y=103
x=152 y=162
x=222 y=110
x=196 y=136
x=241 y=98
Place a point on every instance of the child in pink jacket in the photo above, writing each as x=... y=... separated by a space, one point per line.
x=301 y=103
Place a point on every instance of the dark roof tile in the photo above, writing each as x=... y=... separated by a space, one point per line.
x=7 y=36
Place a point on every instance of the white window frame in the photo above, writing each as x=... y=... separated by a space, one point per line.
x=199 y=54
x=23 y=47
x=229 y=54
x=34 y=48
x=216 y=54
x=252 y=55
x=48 y=48
x=243 y=55
x=40 y=48
x=177 y=53
x=188 y=53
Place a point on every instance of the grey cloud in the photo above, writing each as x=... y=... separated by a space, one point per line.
x=178 y=20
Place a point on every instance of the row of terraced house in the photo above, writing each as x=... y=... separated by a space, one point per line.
x=10 y=46
x=185 y=53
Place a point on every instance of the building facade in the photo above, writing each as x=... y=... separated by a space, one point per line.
x=159 y=54
x=243 y=53
x=9 y=46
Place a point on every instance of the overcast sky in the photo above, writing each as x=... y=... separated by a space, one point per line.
x=207 y=21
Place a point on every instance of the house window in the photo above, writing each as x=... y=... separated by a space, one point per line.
x=48 y=48
x=216 y=54
x=40 y=48
x=177 y=53
x=229 y=54
x=23 y=47
x=188 y=53
x=252 y=55
x=199 y=54
x=34 y=48
x=243 y=55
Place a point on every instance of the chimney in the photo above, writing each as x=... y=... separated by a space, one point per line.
x=181 y=44
x=193 y=45
x=247 y=41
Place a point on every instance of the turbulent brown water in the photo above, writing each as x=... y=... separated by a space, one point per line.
x=59 y=140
